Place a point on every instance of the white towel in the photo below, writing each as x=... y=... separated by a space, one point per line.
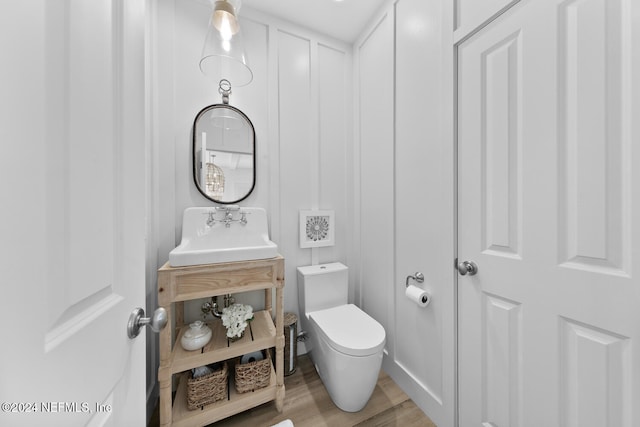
x=285 y=423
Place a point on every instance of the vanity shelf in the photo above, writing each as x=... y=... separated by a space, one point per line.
x=179 y=284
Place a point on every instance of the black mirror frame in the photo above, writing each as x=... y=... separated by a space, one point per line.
x=194 y=161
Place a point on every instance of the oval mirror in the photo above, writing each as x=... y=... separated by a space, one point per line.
x=224 y=162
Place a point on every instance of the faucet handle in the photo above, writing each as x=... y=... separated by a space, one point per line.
x=211 y=220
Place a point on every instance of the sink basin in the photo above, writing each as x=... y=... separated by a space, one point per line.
x=211 y=235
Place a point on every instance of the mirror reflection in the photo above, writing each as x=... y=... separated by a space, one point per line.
x=224 y=154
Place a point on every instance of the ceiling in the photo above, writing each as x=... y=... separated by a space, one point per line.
x=343 y=20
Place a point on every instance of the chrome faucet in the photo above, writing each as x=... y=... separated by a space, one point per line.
x=228 y=219
x=228 y=216
x=212 y=307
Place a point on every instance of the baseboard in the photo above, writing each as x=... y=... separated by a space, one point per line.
x=422 y=397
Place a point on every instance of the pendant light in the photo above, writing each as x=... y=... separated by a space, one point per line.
x=215 y=180
x=223 y=55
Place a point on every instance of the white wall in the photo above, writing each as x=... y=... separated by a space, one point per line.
x=404 y=159
x=300 y=105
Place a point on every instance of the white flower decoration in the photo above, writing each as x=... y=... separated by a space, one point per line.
x=235 y=318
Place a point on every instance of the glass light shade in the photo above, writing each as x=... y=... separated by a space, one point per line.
x=223 y=55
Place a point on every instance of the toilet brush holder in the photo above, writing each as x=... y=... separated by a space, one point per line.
x=290 y=343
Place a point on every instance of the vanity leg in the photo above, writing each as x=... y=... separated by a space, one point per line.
x=166 y=405
x=179 y=306
x=279 y=349
x=268 y=304
x=164 y=372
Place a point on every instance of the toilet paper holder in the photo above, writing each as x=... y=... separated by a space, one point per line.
x=418 y=277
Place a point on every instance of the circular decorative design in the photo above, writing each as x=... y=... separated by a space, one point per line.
x=317 y=228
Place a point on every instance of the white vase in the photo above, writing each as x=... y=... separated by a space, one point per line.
x=196 y=337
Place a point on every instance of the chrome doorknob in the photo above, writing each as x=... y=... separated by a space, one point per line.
x=467 y=267
x=137 y=321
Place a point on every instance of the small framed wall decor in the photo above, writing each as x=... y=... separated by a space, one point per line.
x=317 y=228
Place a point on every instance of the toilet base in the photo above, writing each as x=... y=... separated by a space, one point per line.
x=349 y=380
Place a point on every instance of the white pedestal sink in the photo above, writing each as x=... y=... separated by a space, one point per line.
x=212 y=235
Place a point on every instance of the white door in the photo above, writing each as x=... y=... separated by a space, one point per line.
x=548 y=202
x=72 y=173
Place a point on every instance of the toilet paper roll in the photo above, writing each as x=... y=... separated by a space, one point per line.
x=256 y=356
x=418 y=295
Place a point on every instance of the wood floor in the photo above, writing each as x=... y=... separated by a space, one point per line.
x=307 y=404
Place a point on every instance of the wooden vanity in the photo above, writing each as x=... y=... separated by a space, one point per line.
x=179 y=284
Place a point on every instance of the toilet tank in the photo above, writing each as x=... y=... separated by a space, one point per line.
x=322 y=286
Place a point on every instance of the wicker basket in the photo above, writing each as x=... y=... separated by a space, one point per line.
x=208 y=388
x=253 y=375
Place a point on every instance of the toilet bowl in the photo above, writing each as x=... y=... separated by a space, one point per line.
x=345 y=343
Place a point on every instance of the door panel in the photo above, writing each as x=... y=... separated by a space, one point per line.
x=548 y=329
x=500 y=148
x=78 y=267
x=80 y=166
x=593 y=119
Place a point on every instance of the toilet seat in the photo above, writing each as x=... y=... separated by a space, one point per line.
x=349 y=330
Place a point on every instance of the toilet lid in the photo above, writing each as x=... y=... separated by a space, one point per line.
x=349 y=330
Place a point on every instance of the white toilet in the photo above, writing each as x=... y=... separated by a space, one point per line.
x=345 y=343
